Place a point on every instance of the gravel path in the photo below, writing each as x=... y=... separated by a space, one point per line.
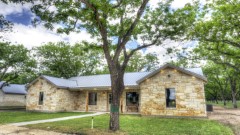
x=15 y=130
x=229 y=117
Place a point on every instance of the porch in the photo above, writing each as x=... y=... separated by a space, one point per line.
x=100 y=101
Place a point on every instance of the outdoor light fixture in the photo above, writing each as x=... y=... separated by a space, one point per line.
x=169 y=75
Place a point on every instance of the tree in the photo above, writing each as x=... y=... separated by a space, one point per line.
x=220 y=32
x=63 y=60
x=117 y=23
x=218 y=80
x=14 y=61
x=140 y=62
x=217 y=32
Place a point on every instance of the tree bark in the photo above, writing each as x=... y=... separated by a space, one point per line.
x=117 y=90
x=234 y=91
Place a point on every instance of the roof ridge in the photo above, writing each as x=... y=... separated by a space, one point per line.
x=106 y=74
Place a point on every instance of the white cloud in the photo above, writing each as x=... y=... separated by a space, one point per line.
x=30 y=36
x=161 y=50
x=12 y=8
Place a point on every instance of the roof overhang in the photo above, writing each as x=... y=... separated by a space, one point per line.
x=127 y=87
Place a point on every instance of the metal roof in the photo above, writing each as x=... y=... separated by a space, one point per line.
x=103 y=81
x=14 y=89
x=130 y=79
x=195 y=70
x=61 y=82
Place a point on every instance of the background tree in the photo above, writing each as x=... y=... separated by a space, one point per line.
x=14 y=61
x=63 y=60
x=139 y=62
x=217 y=31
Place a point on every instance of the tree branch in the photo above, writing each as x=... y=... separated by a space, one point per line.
x=224 y=41
x=102 y=29
x=127 y=35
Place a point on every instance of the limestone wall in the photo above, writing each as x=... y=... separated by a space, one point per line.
x=190 y=98
x=12 y=99
x=54 y=99
x=50 y=96
x=67 y=100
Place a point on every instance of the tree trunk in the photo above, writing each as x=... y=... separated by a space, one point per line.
x=224 y=102
x=117 y=89
x=233 y=90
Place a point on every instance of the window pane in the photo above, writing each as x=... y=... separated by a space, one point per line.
x=40 y=102
x=92 y=98
x=170 y=97
x=132 y=98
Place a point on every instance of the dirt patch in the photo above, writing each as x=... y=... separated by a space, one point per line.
x=14 y=130
x=229 y=117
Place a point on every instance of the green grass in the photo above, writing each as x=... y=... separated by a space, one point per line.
x=229 y=105
x=20 y=116
x=136 y=125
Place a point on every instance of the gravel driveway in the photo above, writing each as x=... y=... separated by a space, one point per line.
x=229 y=117
x=14 y=130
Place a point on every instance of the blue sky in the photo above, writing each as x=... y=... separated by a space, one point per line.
x=22 y=18
x=24 y=33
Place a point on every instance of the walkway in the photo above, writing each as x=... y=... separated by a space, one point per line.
x=229 y=117
x=55 y=119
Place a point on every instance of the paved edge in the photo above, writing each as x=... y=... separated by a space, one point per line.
x=55 y=119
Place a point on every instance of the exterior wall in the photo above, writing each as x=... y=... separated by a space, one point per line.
x=12 y=99
x=190 y=98
x=67 y=100
x=54 y=99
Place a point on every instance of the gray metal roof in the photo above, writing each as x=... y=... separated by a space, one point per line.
x=130 y=79
x=103 y=81
x=195 y=70
x=61 y=82
x=14 y=89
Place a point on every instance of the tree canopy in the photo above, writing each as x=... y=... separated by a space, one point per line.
x=64 y=60
x=14 y=61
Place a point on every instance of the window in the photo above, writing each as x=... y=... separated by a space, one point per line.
x=131 y=98
x=92 y=98
x=41 y=95
x=170 y=98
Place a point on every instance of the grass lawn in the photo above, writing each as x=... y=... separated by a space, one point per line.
x=20 y=116
x=136 y=125
x=229 y=105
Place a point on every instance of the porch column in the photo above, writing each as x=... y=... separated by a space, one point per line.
x=87 y=101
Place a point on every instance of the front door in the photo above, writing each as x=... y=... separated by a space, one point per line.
x=132 y=101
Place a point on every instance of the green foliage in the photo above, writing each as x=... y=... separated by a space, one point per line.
x=15 y=60
x=217 y=31
x=63 y=60
x=140 y=62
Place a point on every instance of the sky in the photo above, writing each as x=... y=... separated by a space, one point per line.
x=30 y=36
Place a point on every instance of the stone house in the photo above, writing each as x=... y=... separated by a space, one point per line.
x=168 y=91
x=13 y=95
